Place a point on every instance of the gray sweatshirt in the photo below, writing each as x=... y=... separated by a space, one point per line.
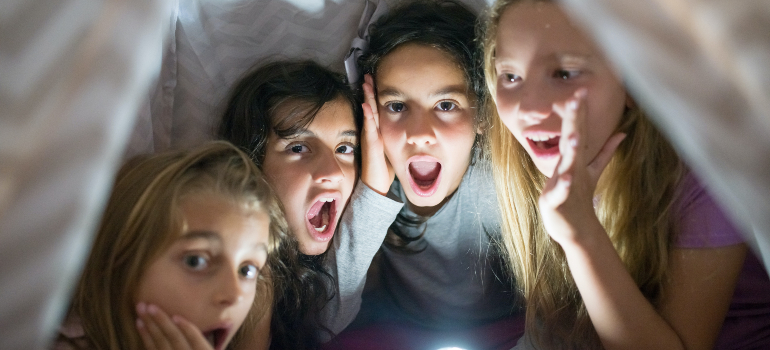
x=454 y=280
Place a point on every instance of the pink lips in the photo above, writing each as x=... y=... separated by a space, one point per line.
x=424 y=175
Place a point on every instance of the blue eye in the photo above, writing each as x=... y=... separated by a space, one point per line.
x=249 y=271
x=446 y=106
x=566 y=74
x=195 y=262
x=345 y=149
x=395 y=106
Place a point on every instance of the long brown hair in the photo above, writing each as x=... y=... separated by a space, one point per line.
x=141 y=220
x=636 y=192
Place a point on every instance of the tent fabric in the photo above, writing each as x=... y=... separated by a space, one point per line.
x=72 y=76
x=85 y=83
x=702 y=67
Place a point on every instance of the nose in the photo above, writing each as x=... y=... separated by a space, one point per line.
x=535 y=100
x=328 y=169
x=229 y=289
x=419 y=129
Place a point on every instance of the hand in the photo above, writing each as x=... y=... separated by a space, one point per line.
x=566 y=204
x=158 y=331
x=377 y=173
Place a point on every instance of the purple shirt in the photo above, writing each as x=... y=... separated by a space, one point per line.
x=704 y=225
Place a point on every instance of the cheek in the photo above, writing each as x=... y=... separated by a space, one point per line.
x=506 y=108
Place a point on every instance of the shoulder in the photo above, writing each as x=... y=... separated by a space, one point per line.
x=699 y=221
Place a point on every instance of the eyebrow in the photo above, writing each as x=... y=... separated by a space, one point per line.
x=574 y=58
x=448 y=90
x=207 y=235
x=306 y=132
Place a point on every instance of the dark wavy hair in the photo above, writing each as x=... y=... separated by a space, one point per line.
x=301 y=286
x=444 y=25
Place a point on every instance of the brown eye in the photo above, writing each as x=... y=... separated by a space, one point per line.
x=195 y=262
x=395 y=107
x=249 y=271
x=446 y=106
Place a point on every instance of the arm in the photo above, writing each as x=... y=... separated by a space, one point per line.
x=363 y=225
x=621 y=315
x=362 y=229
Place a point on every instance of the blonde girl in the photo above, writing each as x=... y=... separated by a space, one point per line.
x=177 y=258
x=612 y=241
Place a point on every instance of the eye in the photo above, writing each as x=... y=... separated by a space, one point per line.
x=195 y=262
x=566 y=74
x=345 y=149
x=249 y=271
x=297 y=148
x=396 y=107
x=511 y=78
x=446 y=106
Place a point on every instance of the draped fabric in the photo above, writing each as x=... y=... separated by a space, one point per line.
x=72 y=76
x=702 y=67
x=85 y=83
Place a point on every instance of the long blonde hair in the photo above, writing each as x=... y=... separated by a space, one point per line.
x=141 y=220
x=636 y=192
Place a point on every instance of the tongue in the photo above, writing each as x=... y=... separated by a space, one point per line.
x=424 y=173
x=319 y=214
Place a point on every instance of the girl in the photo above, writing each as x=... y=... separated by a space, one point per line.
x=614 y=243
x=178 y=254
x=299 y=123
x=438 y=274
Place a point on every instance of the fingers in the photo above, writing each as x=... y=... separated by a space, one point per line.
x=371 y=99
x=192 y=334
x=158 y=331
x=556 y=190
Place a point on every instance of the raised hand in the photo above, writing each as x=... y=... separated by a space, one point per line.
x=161 y=332
x=377 y=173
x=566 y=204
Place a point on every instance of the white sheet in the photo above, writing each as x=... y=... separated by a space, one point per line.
x=74 y=75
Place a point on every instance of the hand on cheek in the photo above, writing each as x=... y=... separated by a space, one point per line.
x=566 y=204
x=161 y=332
x=377 y=173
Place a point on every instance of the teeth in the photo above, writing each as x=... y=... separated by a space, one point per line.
x=321 y=229
x=540 y=138
x=327 y=199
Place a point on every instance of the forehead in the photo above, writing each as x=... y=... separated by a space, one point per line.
x=418 y=66
x=539 y=29
x=334 y=117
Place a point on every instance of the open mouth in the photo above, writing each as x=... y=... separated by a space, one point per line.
x=321 y=217
x=216 y=337
x=424 y=176
x=544 y=146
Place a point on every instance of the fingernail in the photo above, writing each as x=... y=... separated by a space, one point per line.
x=176 y=319
x=573 y=142
x=152 y=309
x=139 y=323
x=580 y=94
x=141 y=308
